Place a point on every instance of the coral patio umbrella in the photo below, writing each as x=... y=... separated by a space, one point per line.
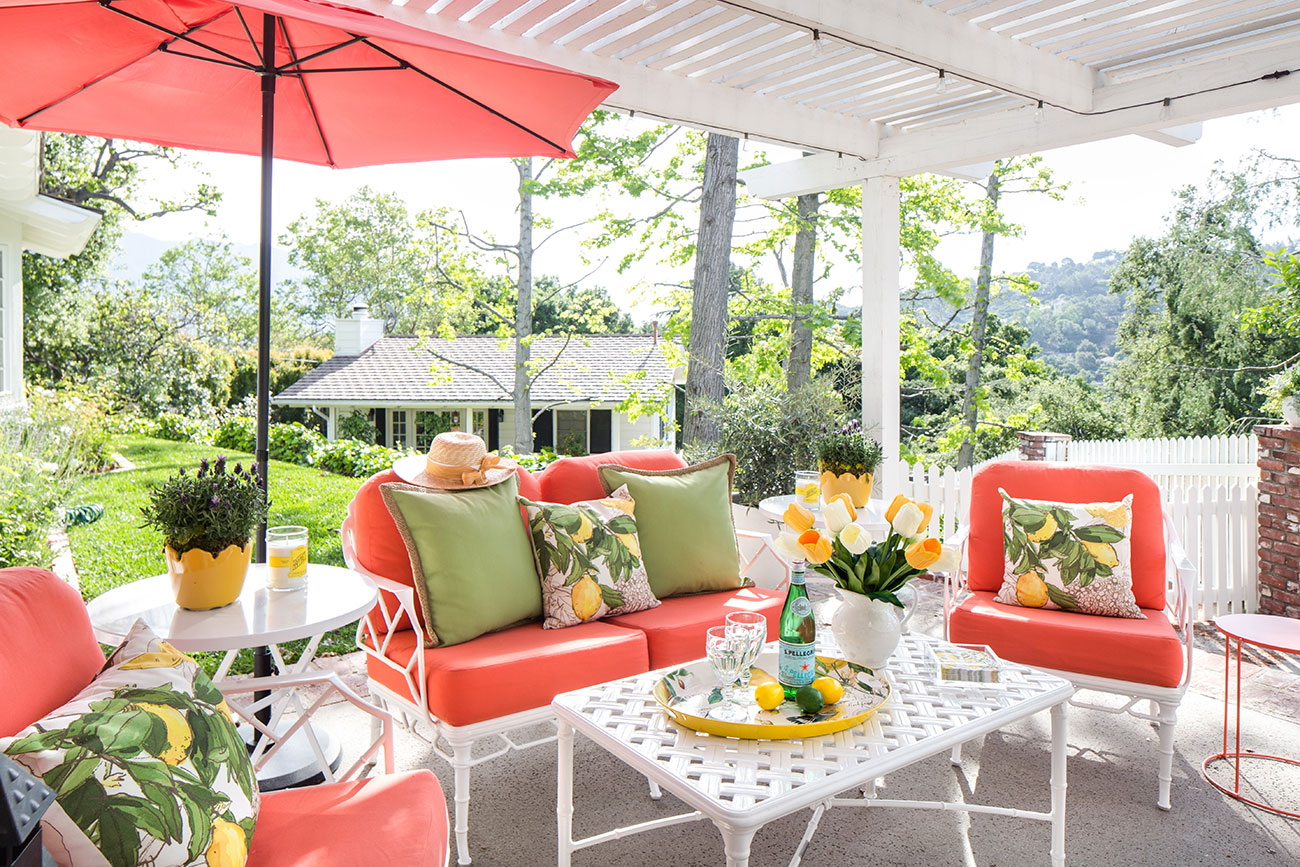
x=333 y=86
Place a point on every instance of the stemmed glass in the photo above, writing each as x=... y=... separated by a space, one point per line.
x=727 y=653
x=751 y=626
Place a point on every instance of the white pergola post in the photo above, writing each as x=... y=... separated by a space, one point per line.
x=880 y=338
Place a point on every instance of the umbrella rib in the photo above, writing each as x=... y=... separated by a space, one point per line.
x=183 y=37
x=302 y=82
x=299 y=61
x=243 y=22
x=462 y=94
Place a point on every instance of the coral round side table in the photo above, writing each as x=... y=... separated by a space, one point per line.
x=1260 y=630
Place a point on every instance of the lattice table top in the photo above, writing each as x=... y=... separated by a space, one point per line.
x=749 y=778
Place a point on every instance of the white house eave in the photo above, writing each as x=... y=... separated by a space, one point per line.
x=52 y=227
x=439 y=404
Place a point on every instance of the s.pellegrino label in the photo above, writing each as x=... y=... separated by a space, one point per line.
x=797 y=653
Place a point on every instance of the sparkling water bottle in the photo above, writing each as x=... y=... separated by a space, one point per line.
x=798 y=635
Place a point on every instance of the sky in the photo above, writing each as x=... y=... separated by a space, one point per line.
x=1119 y=189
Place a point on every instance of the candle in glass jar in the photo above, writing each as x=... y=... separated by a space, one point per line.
x=286 y=557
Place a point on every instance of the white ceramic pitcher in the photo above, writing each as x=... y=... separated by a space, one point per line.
x=868 y=630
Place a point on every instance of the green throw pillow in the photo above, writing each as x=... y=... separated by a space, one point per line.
x=683 y=517
x=470 y=557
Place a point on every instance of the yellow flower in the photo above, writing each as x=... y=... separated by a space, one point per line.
x=855 y=539
x=923 y=554
x=816 y=546
x=848 y=505
x=836 y=516
x=798 y=518
x=1044 y=532
x=927 y=511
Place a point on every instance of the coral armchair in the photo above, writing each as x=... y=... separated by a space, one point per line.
x=1137 y=659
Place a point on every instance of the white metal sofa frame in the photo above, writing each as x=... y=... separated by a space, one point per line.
x=1180 y=578
x=460 y=739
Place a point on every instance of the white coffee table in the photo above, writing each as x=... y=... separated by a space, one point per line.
x=333 y=597
x=741 y=785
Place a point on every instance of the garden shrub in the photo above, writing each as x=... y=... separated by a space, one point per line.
x=294 y=443
x=356 y=459
x=178 y=428
x=357 y=427
x=237 y=433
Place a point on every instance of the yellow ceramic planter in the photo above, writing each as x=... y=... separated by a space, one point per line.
x=857 y=487
x=201 y=581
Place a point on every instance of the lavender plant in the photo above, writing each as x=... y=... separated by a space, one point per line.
x=848 y=450
x=211 y=508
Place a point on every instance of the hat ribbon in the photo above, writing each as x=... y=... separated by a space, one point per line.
x=479 y=476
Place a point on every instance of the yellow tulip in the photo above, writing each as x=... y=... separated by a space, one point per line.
x=816 y=547
x=924 y=554
x=798 y=518
x=848 y=504
x=927 y=511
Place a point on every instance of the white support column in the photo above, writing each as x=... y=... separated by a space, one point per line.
x=332 y=423
x=880 y=350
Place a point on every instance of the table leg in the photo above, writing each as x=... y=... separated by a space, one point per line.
x=735 y=842
x=1060 y=727
x=1236 y=761
x=564 y=793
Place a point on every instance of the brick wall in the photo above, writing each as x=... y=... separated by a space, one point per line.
x=1043 y=445
x=1279 y=520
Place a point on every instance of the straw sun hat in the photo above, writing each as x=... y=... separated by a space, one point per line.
x=456 y=461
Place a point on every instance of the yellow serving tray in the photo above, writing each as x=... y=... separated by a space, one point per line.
x=686 y=694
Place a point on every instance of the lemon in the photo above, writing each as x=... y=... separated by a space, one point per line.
x=625 y=506
x=809 y=699
x=179 y=736
x=769 y=695
x=830 y=688
x=585 y=598
x=630 y=543
x=229 y=846
x=1102 y=552
x=1044 y=532
x=166 y=657
x=809 y=492
x=1116 y=517
x=1031 y=590
x=584 y=529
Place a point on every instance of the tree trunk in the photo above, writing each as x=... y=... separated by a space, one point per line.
x=709 y=300
x=979 y=333
x=799 y=367
x=523 y=439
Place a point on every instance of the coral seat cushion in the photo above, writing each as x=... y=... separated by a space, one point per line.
x=1142 y=651
x=378 y=544
x=386 y=820
x=49 y=652
x=571 y=480
x=675 y=630
x=1067 y=483
x=517 y=669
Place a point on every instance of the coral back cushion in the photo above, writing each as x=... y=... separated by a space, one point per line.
x=377 y=543
x=1067 y=483
x=571 y=480
x=49 y=652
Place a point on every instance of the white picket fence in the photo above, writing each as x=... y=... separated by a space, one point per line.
x=1209 y=486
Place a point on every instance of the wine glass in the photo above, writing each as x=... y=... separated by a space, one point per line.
x=726 y=653
x=751 y=626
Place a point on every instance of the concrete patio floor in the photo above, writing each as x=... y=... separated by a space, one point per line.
x=1111 y=814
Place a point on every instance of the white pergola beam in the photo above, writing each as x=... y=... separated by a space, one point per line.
x=939 y=40
x=1177 y=136
x=881 y=382
x=690 y=101
x=944 y=146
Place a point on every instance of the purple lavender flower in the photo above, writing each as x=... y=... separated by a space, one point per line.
x=239 y=469
x=220 y=464
x=203 y=467
x=215 y=501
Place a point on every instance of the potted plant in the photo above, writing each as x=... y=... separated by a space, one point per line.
x=847 y=459
x=869 y=572
x=1285 y=389
x=207 y=519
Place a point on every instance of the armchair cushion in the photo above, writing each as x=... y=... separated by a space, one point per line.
x=1075 y=483
x=393 y=819
x=569 y=480
x=1142 y=651
x=674 y=632
x=514 y=670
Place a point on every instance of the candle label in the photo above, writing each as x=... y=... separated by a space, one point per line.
x=296 y=562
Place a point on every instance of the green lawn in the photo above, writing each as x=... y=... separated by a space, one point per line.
x=116 y=549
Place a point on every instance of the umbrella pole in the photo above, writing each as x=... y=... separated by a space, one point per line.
x=261 y=656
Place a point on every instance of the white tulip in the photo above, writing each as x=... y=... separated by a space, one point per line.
x=836 y=516
x=907 y=520
x=948 y=561
x=787 y=545
x=855 y=538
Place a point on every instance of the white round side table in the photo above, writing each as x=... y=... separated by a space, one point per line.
x=332 y=597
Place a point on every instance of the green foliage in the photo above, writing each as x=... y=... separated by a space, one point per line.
x=175 y=427
x=573 y=445
x=210 y=510
x=848 y=450
x=355 y=426
x=354 y=458
x=535 y=462
x=293 y=443
x=773 y=433
x=236 y=432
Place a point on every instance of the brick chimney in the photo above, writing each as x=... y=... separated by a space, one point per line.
x=357 y=333
x=1040 y=445
x=1279 y=520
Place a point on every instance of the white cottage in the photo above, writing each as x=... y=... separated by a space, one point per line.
x=411 y=391
x=28 y=221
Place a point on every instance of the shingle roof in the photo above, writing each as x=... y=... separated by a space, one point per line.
x=596 y=367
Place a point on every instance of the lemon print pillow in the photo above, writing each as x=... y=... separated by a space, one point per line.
x=1071 y=556
x=146 y=764
x=589 y=559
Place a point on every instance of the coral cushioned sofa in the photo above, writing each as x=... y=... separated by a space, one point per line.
x=527 y=665
x=50 y=654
